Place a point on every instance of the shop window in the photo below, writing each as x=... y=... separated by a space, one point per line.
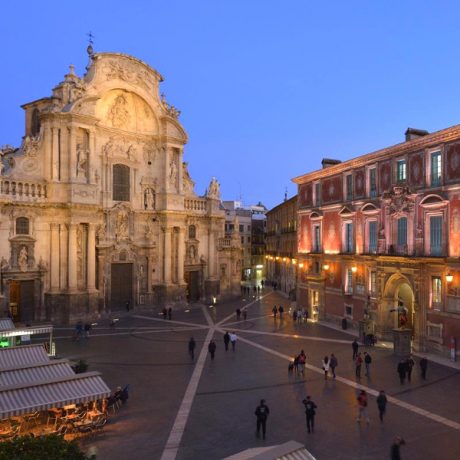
x=22 y=226
x=121 y=183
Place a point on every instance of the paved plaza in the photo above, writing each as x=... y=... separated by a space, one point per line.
x=205 y=409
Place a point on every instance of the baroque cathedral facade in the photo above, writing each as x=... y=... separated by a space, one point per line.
x=98 y=210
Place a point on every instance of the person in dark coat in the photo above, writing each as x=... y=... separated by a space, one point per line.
x=191 y=347
x=212 y=349
x=164 y=312
x=238 y=314
x=423 y=365
x=333 y=363
x=410 y=363
x=275 y=311
x=170 y=313
x=381 y=404
x=310 y=412
x=226 y=340
x=281 y=311
x=396 y=448
x=402 y=370
x=355 y=346
x=261 y=413
x=127 y=305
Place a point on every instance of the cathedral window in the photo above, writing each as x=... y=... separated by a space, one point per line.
x=192 y=232
x=121 y=183
x=35 y=123
x=22 y=226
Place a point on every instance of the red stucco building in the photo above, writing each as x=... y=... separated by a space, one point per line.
x=379 y=236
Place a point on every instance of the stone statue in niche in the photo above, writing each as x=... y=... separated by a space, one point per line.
x=4 y=265
x=173 y=172
x=213 y=189
x=122 y=225
x=42 y=265
x=192 y=253
x=118 y=113
x=101 y=232
x=149 y=199
x=23 y=259
x=82 y=161
x=149 y=230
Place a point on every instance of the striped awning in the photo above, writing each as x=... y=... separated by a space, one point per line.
x=30 y=330
x=36 y=373
x=23 y=355
x=26 y=398
x=6 y=324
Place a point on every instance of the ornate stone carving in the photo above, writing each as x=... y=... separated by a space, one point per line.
x=149 y=198
x=188 y=183
x=4 y=265
x=30 y=146
x=213 y=190
x=173 y=173
x=149 y=229
x=82 y=161
x=23 y=259
x=122 y=225
x=118 y=113
x=399 y=200
x=120 y=148
x=129 y=72
x=170 y=109
x=101 y=232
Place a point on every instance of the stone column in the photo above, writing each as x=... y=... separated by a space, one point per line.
x=211 y=255
x=54 y=265
x=91 y=259
x=72 y=153
x=167 y=255
x=72 y=258
x=180 y=170
x=55 y=155
x=180 y=256
x=64 y=255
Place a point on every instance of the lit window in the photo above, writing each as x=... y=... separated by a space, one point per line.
x=373 y=182
x=401 y=170
x=22 y=226
x=316 y=238
x=402 y=231
x=121 y=184
x=373 y=283
x=373 y=236
x=436 y=235
x=436 y=291
x=349 y=187
x=348 y=237
x=436 y=168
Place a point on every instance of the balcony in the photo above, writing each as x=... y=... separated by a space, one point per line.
x=195 y=204
x=23 y=190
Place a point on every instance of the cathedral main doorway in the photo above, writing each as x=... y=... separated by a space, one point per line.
x=192 y=278
x=22 y=300
x=121 y=286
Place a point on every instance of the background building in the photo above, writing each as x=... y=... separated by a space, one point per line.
x=249 y=222
x=281 y=247
x=379 y=237
x=97 y=206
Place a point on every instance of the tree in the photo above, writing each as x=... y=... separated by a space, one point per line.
x=50 y=447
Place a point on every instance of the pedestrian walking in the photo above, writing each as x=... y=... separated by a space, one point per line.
x=410 y=363
x=226 y=340
x=127 y=304
x=164 y=312
x=238 y=314
x=402 y=369
x=310 y=412
x=233 y=340
x=423 y=365
x=87 y=328
x=367 y=363
x=191 y=348
x=275 y=311
x=302 y=359
x=396 y=448
x=358 y=364
x=169 y=313
x=362 y=407
x=281 y=311
x=333 y=363
x=381 y=404
x=326 y=366
x=294 y=316
x=78 y=331
x=299 y=316
x=354 y=346
x=261 y=413
x=212 y=349
x=245 y=314
x=296 y=364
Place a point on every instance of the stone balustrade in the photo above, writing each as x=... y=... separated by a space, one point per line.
x=224 y=243
x=22 y=190
x=195 y=204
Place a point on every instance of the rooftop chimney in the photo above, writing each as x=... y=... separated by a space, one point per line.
x=327 y=162
x=413 y=133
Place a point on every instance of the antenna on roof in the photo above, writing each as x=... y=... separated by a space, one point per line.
x=285 y=194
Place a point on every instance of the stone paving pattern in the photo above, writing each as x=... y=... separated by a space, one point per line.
x=151 y=355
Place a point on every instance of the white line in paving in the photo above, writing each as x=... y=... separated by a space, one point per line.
x=245 y=307
x=169 y=321
x=177 y=431
x=293 y=336
x=358 y=386
x=246 y=320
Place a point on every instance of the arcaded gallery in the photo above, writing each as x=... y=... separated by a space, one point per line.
x=379 y=239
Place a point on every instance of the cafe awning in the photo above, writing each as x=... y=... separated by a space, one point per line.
x=29 y=330
x=6 y=324
x=35 y=372
x=26 y=398
x=23 y=355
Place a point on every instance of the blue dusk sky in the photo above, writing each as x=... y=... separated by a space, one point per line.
x=266 y=88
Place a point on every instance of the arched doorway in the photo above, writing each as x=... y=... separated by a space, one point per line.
x=398 y=303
